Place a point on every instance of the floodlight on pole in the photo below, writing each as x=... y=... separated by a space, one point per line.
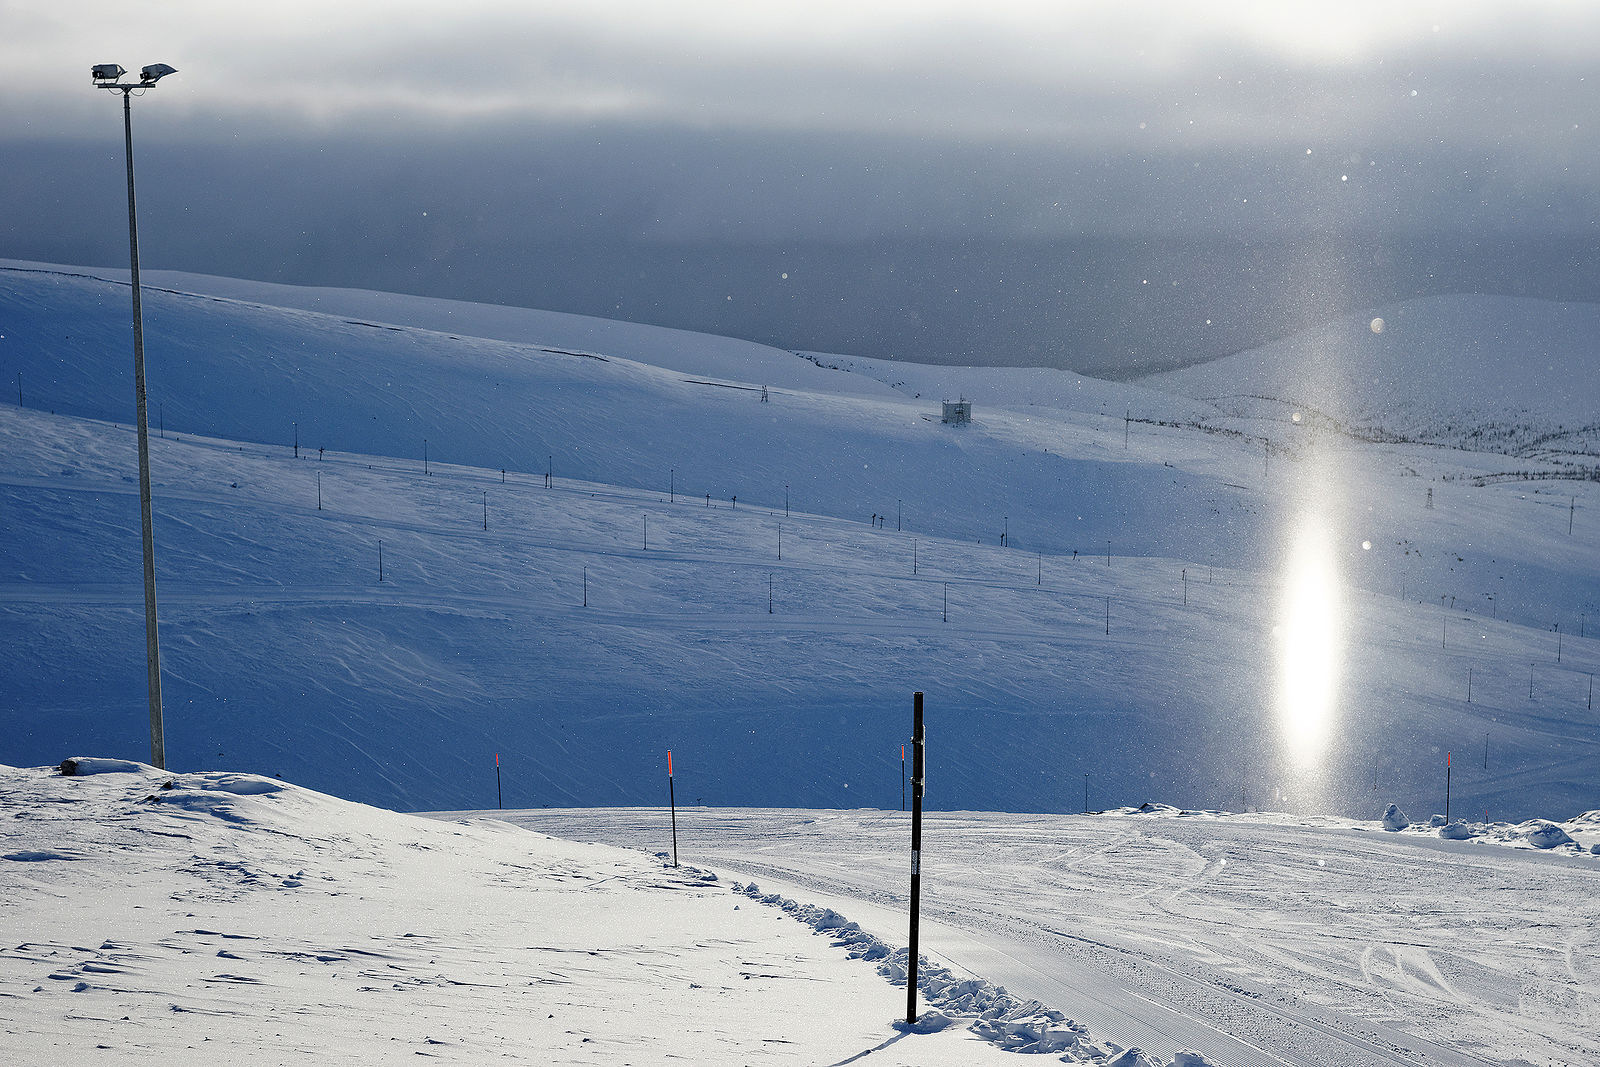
x=108 y=76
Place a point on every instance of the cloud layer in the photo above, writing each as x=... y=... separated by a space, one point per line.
x=360 y=141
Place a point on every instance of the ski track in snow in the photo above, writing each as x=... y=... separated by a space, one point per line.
x=1252 y=939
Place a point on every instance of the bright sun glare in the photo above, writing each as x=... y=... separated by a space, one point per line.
x=1310 y=641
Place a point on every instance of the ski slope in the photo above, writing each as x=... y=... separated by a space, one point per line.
x=183 y=916
x=582 y=568
x=1254 y=939
x=228 y=917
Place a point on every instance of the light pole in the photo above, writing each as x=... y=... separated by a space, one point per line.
x=108 y=76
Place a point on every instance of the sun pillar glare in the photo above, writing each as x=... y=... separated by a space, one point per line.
x=1310 y=648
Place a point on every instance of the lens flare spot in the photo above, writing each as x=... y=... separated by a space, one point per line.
x=1310 y=648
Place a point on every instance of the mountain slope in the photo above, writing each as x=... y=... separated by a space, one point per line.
x=1130 y=627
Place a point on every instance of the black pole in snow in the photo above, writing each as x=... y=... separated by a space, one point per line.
x=499 y=797
x=902 y=778
x=1447 y=787
x=918 y=769
x=672 y=799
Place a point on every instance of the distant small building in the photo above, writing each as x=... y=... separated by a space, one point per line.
x=957 y=411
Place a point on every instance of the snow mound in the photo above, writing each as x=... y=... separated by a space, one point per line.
x=1542 y=834
x=244 y=785
x=929 y=1022
x=82 y=765
x=1131 y=1057
x=1458 y=831
x=1394 y=818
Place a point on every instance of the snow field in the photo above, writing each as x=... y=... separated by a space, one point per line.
x=194 y=917
x=776 y=681
x=480 y=641
x=1251 y=938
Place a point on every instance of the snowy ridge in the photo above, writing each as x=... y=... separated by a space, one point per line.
x=987 y=1009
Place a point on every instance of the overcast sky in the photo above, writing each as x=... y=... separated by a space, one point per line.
x=1274 y=161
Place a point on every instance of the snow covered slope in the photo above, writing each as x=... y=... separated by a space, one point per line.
x=221 y=917
x=1255 y=939
x=1510 y=374
x=1088 y=579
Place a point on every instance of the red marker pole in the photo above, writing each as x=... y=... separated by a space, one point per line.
x=672 y=800
x=499 y=798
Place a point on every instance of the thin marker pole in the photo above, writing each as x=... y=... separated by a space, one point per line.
x=1447 y=787
x=499 y=797
x=586 y=587
x=902 y=777
x=918 y=769
x=319 y=490
x=673 y=800
x=486 y=509
x=380 y=560
x=1086 y=794
x=1108 y=616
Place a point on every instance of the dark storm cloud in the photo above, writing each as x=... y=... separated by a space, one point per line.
x=938 y=183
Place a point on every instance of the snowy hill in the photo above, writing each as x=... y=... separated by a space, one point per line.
x=1507 y=374
x=569 y=580
x=159 y=918
x=186 y=917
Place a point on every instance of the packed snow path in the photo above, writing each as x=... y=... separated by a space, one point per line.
x=1255 y=939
